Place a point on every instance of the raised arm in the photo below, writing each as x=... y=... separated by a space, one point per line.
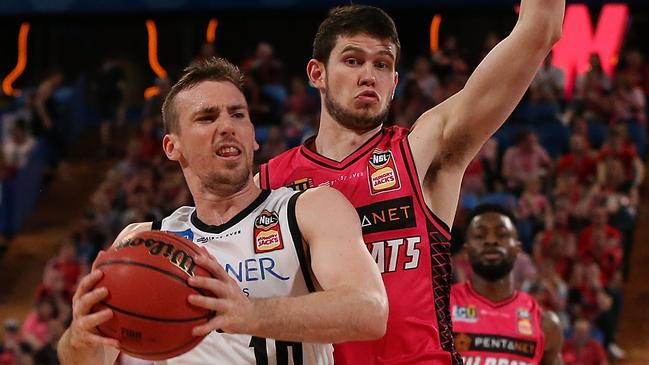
x=350 y=303
x=81 y=343
x=447 y=137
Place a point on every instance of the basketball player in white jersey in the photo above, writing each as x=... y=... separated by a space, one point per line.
x=292 y=274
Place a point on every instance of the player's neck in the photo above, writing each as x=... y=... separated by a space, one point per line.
x=494 y=291
x=216 y=208
x=337 y=142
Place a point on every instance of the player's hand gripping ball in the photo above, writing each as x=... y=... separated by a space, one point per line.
x=146 y=277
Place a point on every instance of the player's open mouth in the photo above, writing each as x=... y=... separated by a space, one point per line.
x=228 y=152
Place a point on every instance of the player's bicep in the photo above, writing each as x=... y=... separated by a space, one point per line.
x=331 y=228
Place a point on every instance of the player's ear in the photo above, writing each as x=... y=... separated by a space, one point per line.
x=171 y=147
x=316 y=72
x=396 y=82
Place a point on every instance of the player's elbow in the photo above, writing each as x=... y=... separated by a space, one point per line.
x=376 y=322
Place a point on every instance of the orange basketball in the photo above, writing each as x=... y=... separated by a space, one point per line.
x=146 y=277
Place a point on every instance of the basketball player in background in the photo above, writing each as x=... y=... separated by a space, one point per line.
x=492 y=322
x=313 y=284
x=404 y=183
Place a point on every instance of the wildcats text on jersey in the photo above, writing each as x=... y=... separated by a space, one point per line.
x=267 y=232
x=382 y=173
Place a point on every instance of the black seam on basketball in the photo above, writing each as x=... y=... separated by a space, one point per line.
x=149 y=318
x=170 y=274
x=294 y=228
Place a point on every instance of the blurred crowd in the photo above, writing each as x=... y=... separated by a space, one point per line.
x=569 y=167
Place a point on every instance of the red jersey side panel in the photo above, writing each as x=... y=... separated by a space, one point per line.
x=410 y=245
x=504 y=333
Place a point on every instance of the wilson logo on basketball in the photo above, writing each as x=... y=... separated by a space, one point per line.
x=176 y=256
x=382 y=173
x=267 y=232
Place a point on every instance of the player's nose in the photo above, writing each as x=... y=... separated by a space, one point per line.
x=367 y=76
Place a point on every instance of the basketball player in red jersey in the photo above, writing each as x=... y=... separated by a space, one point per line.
x=493 y=323
x=405 y=183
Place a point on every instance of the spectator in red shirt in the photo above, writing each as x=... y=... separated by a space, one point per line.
x=582 y=349
x=579 y=160
x=619 y=148
x=599 y=224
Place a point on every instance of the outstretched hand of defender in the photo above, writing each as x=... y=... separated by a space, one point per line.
x=233 y=309
x=83 y=334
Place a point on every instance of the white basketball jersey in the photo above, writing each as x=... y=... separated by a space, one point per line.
x=260 y=248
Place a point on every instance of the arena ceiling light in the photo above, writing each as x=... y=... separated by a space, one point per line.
x=8 y=81
x=160 y=72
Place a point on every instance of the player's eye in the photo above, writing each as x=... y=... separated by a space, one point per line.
x=352 y=62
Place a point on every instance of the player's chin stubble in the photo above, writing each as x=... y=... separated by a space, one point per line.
x=351 y=120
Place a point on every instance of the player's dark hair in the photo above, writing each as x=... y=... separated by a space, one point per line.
x=491 y=208
x=350 y=20
x=214 y=69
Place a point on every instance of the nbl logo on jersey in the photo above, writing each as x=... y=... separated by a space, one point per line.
x=467 y=313
x=267 y=233
x=382 y=173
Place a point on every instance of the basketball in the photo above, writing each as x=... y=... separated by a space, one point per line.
x=146 y=277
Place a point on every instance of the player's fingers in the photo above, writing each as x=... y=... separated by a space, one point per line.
x=211 y=265
x=216 y=323
x=219 y=288
x=90 y=321
x=83 y=305
x=104 y=341
x=214 y=304
x=99 y=255
x=87 y=283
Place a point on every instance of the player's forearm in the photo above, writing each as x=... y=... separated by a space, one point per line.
x=540 y=22
x=349 y=315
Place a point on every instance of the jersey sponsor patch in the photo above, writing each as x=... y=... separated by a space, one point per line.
x=467 y=313
x=268 y=236
x=301 y=184
x=480 y=342
x=387 y=215
x=382 y=173
x=524 y=322
x=188 y=234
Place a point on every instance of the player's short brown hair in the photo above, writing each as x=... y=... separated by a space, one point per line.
x=350 y=20
x=214 y=69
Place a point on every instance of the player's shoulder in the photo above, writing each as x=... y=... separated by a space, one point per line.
x=133 y=229
x=322 y=196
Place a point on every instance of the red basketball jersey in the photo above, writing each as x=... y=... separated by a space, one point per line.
x=408 y=242
x=504 y=333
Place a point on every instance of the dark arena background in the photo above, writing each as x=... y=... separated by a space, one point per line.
x=94 y=73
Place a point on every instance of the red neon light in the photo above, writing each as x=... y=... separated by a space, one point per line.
x=571 y=53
